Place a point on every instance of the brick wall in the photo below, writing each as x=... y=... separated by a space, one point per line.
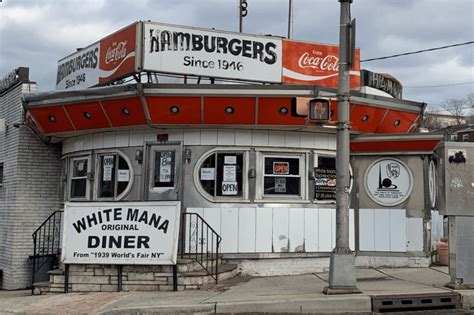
x=30 y=191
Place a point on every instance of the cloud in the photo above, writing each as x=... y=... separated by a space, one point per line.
x=37 y=33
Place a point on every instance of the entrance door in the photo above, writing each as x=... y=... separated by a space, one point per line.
x=164 y=169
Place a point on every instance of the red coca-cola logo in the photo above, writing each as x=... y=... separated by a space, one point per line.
x=116 y=52
x=326 y=63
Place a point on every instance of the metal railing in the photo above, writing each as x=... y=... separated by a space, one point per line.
x=46 y=243
x=200 y=243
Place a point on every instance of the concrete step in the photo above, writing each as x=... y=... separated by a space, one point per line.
x=188 y=265
x=195 y=279
x=40 y=287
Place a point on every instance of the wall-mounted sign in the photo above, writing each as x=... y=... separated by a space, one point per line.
x=388 y=181
x=383 y=82
x=325 y=179
x=211 y=53
x=121 y=233
x=315 y=64
x=110 y=58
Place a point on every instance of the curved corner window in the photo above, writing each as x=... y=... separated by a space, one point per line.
x=221 y=175
x=114 y=175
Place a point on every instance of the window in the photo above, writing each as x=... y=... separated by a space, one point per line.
x=221 y=175
x=325 y=178
x=1 y=174
x=465 y=137
x=79 y=182
x=113 y=175
x=283 y=176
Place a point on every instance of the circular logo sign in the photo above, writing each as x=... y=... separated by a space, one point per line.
x=388 y=181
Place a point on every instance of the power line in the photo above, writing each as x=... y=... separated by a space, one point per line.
x=434 y=86
x=419 y=51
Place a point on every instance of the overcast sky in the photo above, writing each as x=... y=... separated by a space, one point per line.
x=36 y=33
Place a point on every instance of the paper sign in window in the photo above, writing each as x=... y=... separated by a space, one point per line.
x=165 y=169
x=280 y=185
x=229 y=188
x=207 y=173
x=108 y=164
x=123 y=175
x=229 y=173
x=230 y=159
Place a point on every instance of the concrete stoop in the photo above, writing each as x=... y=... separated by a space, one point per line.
x=104 y=278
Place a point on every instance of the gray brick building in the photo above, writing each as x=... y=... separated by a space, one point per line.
x=29 y=182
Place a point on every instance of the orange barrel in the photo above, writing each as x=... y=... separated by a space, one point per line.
x=443 y=253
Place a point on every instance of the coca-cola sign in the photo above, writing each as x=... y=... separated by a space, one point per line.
x=116 y=52
x=314 y=61
x=109 y=59
x=315 y=64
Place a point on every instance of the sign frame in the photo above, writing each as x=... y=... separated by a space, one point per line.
x=406 y=193
x=103 y=255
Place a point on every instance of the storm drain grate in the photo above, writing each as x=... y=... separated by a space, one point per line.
x=416 y=302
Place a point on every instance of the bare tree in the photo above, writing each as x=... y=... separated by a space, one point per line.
x=470 y=102
x=456 y=108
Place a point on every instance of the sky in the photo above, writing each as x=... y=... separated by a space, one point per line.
x=37 y=33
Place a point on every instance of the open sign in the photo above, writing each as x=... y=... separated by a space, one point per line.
x=229 y=188
x=281 y=168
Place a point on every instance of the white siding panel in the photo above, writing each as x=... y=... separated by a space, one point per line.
x=296 y=229
x=260 y=138
x=229 y=230
x=276 y=138
x=307 y=140
x=398 y=237
x=87 y=142
x=109 y=139
x=331 y=142
x=325 y=230
x=150 y=135
x=122 y=138
x=351 y=229
x=175 y=135
x=382 y=230
x=98 y=141
x=333 y=228
x=209 y=137
x=280 y=230
x=213 y=218
x=225 y=137
x=79 y=143
x=321 y=141
x=311 y=228
x=366 y=230
x=243 y=137
x=246 y=230
x=136 y=137
x=292 y=139
x=68 y=145
x=414 y=234
x=192 y=137
x=263 y=237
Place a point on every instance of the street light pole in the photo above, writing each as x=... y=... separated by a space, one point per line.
x=342 y=278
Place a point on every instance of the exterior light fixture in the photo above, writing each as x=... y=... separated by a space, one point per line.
x=396 y=122
x=51 y=118
x=283 y=110
x=87 y=115
x=229 y=110
x=125 y=111
x=174 y=110
x=187 y=156
x=365 y=118
x=139 y=156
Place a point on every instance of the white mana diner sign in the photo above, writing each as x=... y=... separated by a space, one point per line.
x=121 y=233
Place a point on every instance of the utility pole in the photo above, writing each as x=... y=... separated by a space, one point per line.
x=342 y=278
x=290 y=9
